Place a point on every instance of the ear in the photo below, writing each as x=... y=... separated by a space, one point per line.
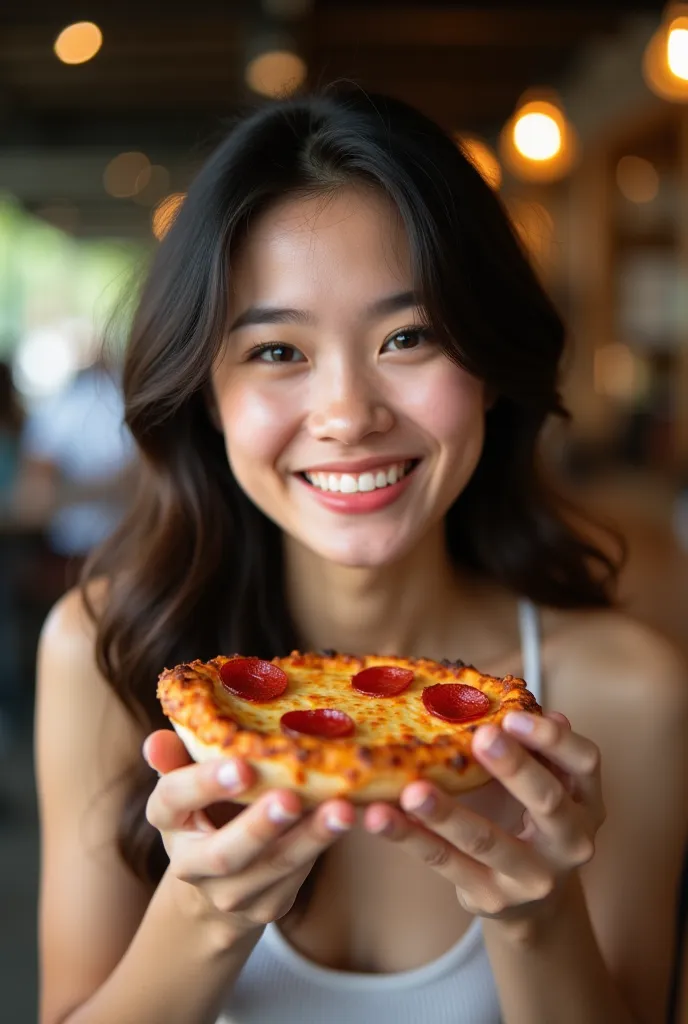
x=211 y=406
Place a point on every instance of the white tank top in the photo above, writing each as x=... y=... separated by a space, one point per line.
x=278 y=985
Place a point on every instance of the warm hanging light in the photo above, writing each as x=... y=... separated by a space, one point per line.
x=78 y=43
x=483 y=157
x=276 y=73
x=537 y=135
x=538 y=143
x=665 y=63
x=677 y=49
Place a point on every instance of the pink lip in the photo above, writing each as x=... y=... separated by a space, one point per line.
x=361 y=466
x=362 y=501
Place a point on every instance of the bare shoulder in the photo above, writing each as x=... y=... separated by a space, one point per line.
x=72 y=694
x=71 y=622
x=625 y=687
x=609 y=660
x=88 y=747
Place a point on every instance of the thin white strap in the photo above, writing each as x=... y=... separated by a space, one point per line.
x=529 y=625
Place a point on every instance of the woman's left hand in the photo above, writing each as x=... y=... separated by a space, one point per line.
x=496 y=874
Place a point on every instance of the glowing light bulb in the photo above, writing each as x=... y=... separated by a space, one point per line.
x=677 y=52
x=78 y=43
x=537 y=136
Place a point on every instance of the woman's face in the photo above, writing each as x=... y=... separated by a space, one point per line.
x=343 y=419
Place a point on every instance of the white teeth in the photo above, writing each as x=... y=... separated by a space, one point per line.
x=347 y=483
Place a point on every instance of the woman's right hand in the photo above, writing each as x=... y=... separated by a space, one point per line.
x=250 y=870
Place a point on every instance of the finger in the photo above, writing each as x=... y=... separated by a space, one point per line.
x=183 y=791
x=164 y=751
x=299 y=847
x=557 y=716
x=471 y=834
x=302 y=843
x=235 y=846
x=560 y=821
x=263 y=905
x=552 y=737
x=432 y=849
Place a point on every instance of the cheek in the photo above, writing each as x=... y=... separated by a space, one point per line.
x=450 y=406
x=256 y=426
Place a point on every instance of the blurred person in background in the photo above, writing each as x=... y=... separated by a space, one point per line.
x=76 y=470
x=359 y=301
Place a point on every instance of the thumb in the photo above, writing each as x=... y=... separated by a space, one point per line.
x=164 y=751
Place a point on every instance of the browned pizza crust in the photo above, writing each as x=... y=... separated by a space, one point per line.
x=396 y=740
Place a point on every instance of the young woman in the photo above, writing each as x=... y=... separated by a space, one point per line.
x=342 y=293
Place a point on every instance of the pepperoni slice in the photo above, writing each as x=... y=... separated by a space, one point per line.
x=382 y=680
x=254 y=679
x=326 y=723
x=455 y=702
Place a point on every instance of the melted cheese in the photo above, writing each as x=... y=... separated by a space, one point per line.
x=378 y=719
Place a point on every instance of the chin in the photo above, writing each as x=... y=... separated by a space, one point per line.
x=363 y=552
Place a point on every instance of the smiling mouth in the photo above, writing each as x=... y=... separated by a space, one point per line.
x=357 y=483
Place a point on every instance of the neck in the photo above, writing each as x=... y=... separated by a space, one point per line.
x=409 y=608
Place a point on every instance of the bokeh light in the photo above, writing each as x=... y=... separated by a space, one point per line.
x=617 y=372
x=45 y=362
x=276 y=73
x=165 y=213
x=677 y=52
x=127 y=174
x=157 y=184
x=538 y=143
x=78 y=43
x=537 y=136
x=637 y=179
x=665 y=61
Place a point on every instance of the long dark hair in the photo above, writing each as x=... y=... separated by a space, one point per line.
x=196 y=569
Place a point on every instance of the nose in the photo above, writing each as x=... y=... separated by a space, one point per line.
x=346 y=408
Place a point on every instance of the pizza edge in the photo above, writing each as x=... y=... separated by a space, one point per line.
x=319 y=769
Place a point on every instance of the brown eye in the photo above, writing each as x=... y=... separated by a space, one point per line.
x=278 y=354
x=403 y=341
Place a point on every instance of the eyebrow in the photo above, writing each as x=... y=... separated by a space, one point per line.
x=256 y=315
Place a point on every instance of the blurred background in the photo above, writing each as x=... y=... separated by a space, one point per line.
x=577 y=113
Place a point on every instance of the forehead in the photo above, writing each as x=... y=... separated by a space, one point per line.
x=350 y=244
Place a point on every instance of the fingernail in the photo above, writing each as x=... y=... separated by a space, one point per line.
x=335 y=823
x=381 y=828
x=144 y=749
x=492 y=742
x=228 y=775
x=421 y=802
x=279 y=814
x=519 y=722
